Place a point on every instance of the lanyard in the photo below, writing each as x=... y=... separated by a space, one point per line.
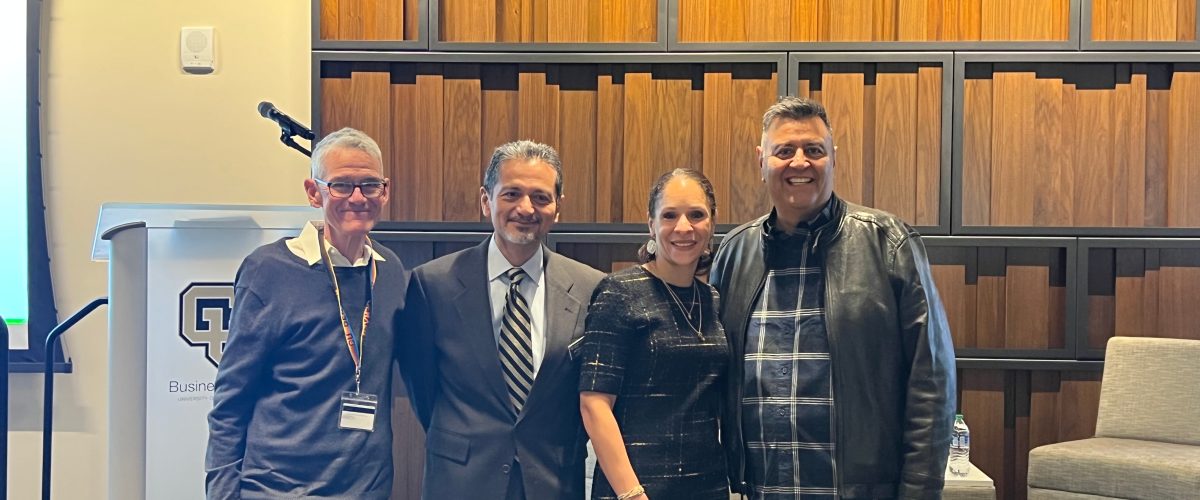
x=356 y=348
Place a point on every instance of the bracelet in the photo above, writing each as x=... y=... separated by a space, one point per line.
x=637 y=490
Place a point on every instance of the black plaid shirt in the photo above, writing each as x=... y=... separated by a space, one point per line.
x=787 y=408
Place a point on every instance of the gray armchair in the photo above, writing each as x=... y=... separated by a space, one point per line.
x=1147 y=442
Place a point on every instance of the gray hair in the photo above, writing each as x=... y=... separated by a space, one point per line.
x=795 y=108
x=348 y=138
x=522 y=151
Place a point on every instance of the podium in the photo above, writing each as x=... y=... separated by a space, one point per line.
x=171 y=271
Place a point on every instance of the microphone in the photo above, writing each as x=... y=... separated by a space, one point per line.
x=268 y=111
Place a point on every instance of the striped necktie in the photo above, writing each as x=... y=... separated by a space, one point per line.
x=516 y=341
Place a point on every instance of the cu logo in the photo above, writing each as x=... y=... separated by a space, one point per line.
x=204 y=310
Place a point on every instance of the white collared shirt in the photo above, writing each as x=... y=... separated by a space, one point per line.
x=305 y=247
x=532 y=288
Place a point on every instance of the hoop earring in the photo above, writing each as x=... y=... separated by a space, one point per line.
x=651 y=246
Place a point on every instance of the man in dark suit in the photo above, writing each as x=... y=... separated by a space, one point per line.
x=489 y=373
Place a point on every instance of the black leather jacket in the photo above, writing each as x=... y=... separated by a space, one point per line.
x=893 y=359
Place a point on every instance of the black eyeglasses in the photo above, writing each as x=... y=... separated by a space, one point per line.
x=369 y=189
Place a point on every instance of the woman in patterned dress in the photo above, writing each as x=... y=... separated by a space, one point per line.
x=654 y=356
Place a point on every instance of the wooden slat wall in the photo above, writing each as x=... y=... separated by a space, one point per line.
x=1143 y=20
x=873 y=20
x=548 y=21
x=374 y=20
x=887 y=126
x=1138 y=292
x=617 y=127
x=1010 y=412
x=998 y=298
x=1045 y=150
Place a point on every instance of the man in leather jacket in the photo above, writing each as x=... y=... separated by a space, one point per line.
x=842 y=380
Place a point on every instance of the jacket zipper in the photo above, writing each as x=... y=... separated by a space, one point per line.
x=741 y=392
x=833 y=379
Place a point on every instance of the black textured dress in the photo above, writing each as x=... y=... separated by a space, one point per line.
x=667 y=378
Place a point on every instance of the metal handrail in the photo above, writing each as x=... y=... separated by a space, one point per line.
x=48 y=394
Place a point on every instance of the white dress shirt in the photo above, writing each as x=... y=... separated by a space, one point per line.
x=532 y=288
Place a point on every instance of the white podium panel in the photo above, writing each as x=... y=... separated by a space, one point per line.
x=171 y=272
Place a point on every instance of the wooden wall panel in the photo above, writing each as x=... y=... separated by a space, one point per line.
x=1051 y=116
x=1010 y=412
x=578 y=151
x=1143 y=20
x=640 y=146
x=1003 y=298
x=1027 y=301
x=843 y=96
x=895 y=142
x=1157 y=152
x=610 y=143
x=928 y=145
x=873 y=20
x=429 y=120
x=473 y=20
x=1142 y=293
x=330 y=9
x=1114 y=144
x=1010 y=93
x=1179 y=285
x=463 y=100
x=958 y=299
x=886 y=121
x=375 y=20
x=977 y=152
x=991 y=302
x=616 y=127
x=548 y=21
x=753 y=94
x=718 y=141
x=1094 y=133
x=984 y=397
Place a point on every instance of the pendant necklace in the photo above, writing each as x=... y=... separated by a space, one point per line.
x=687 y=313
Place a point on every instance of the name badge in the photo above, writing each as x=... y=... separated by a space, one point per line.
x=358 y=411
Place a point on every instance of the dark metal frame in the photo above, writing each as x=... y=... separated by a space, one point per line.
x=319 y=57
x=960 y=62
x=1028 y=364
x=946 y=59
x=435 y=42
x=1070 y=325
x=1086 y=42
x=1083 y=350
x=421 y=43
x=674 y=45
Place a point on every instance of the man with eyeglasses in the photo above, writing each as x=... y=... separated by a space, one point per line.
x=500 y=397
x=302 y=406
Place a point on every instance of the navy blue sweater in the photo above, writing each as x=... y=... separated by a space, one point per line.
x=273 y=430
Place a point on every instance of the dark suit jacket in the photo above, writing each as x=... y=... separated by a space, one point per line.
x=457 y=387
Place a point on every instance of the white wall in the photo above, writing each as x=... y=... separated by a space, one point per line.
x=123 y=123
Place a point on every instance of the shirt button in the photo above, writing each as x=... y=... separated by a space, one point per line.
x=784 y=371
x=782 y=412
x=505 y=468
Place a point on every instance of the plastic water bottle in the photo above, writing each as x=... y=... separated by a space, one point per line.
x=960 y=447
